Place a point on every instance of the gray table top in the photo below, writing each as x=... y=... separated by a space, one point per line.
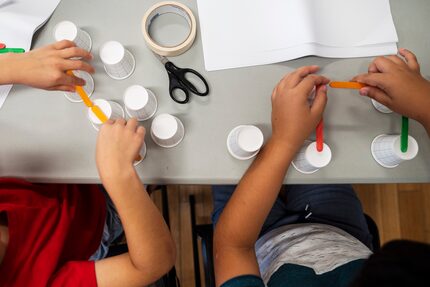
x=46 y=138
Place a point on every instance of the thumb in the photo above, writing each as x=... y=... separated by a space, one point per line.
x=376 y=94
x=320 y=101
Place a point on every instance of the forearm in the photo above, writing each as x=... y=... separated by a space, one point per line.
x=149 y=241
x=246 y=211
x=6 y=69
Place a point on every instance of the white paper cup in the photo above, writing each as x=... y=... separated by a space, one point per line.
x=140 y=103
x=67 y=30
x=381 y=108
x=88 y=88
x=112 y=110
x=309 y=160
x=118 y=62
x=386 y=150
x=167 y=131
x=244 y=142
x=142 y=154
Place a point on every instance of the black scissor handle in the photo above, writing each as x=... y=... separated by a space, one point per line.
x=190 y=86
x=175 y=84
x=180 y=75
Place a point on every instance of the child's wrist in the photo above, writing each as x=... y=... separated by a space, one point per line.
x=119 y=176
x=7 y=73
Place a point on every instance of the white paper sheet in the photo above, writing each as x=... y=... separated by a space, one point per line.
x=242 y=33
x=19 y=20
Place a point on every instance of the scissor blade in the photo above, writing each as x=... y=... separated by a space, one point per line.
x=162 y=59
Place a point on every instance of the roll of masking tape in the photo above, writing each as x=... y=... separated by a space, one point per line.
x=163 y=8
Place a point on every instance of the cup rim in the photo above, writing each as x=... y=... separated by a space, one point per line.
x=180 y=128
x=126 y=76
x=251 y=155
x=54 y=32
x=260 y=133
x=304 y=146
x=111 y=42
x=326 y=150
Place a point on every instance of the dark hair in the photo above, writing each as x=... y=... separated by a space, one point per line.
x=397 y=263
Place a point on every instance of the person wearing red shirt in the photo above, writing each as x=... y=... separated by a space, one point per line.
x=48 y=233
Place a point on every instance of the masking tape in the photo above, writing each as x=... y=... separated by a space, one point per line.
x=163 y=8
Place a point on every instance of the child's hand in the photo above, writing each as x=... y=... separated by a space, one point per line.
x=118 y=145
x=46 y=67
x=397 y=83
x=293 y=119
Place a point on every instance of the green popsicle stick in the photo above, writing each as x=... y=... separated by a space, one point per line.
x=12 y=50
x=405 y=135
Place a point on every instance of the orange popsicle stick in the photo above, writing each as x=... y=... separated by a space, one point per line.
x=99 y=113
x=82 y=93
x=346 y=85
x=95 y=109
x=84 y=96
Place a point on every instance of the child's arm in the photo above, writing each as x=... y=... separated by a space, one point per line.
x=151 y=247
x=397 y=83
x=46 y=67
x=241 y=221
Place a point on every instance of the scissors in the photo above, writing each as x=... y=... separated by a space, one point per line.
x=178 y=81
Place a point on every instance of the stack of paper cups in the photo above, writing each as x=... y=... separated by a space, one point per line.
x=310 y=160
x=142 y=154
x=167 y=131
x=112 y=110
x=386 y=150
x=88 y=88
x=140 y=103
x=244 y=142
x=118 y=62
x=381 y=108
x=67 y=30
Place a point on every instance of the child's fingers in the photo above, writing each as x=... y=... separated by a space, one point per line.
x=411 y=59
x=355 y=79
x=373 y=68
x=132 y=124
x=120 y=122
x=396 y=60
x=308 y=84
x=383 y=64
x=72 y=81
x=75 y=52
x=63 y=44
x=320 y=101
x=376 y=94
x=77 y=65
x=64 y=88
x=297 y=76
x=141 y=130
x=382 y=81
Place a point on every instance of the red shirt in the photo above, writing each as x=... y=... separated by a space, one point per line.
x=53 y=230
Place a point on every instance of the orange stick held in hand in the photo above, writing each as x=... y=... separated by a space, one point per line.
x=95 y=109
x=347 y=85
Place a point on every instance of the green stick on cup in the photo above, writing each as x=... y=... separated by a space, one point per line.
x=405 y=135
